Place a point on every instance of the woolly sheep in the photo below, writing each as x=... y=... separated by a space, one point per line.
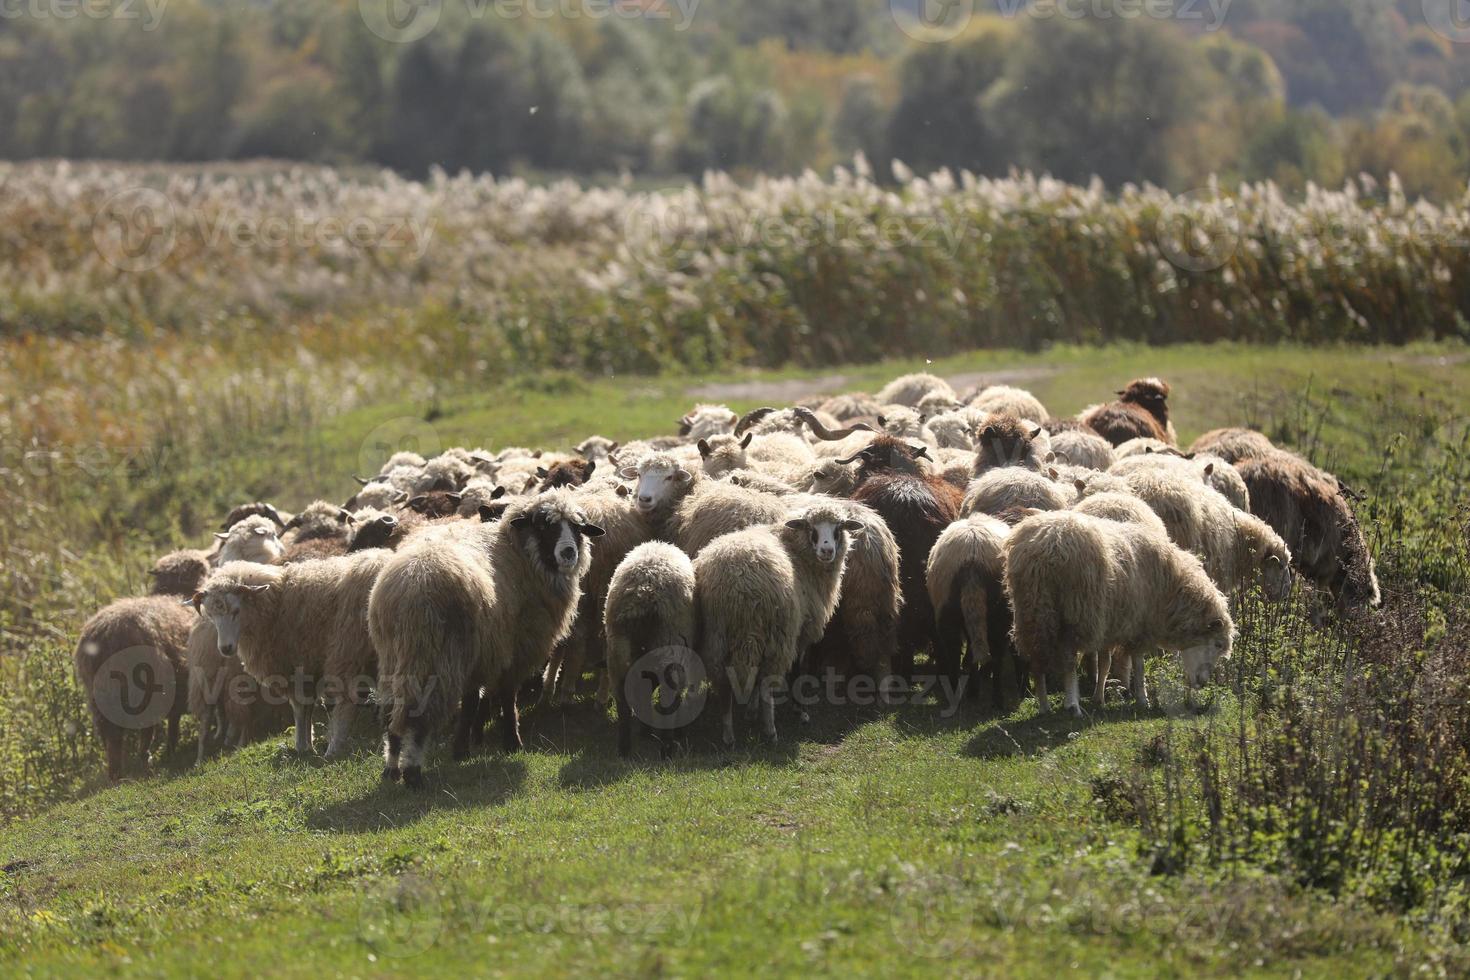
x=1081 y=584
x=663 y=481
x=131 y=640
x=304 y=625
x=755 y=480
x=901 y=423
x=179 y=573
x=377 y=494
x=256 y=509
x=1010 y=489
x=253 y=539
x=649 y=613
x=936 y=403
x=848 y=407
x=471 y=606
x=1083 y=448
x=763 y=596
x=862 y=638
x=910 y=389
x=1233 y=445
x=1142 y=409
x=1122 y=507
x=1005 y=400
x=1212 y=470
x=1139 y=446
x=597 y=449
x=954 y=429
x=1004 y=440
x=704 y=421
x=966 y=582
x=405 y=458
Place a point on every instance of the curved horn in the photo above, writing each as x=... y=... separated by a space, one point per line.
x=851 y=459
x=751 y=418
x=822 y=432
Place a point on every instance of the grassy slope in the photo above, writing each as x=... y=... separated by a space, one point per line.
x=902 y=842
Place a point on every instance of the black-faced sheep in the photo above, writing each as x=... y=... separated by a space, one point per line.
x=763 y=596
x=567 y=473
x=321 y=530
x=303 y=626
x=1142 y=409
x=1310 y=511
x=649 y=620
x=1081 y=584
x=472 y=606
x=130 y=664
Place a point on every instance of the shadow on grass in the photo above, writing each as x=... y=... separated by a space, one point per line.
x=478 y=782
x=1039 y=734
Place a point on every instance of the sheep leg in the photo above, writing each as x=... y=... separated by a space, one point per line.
x=625 y=722
x=510 y=720
x=114 y=743
x=392 y=749
x=768 y=712
x=414 y=747
x=1140 y=685
x=339 y=727
x=302 y=712
x=727 y=713
x=469 y=717
x=1072 y=687
x=1038 y=681
x=145 y=742
x=1102 y=664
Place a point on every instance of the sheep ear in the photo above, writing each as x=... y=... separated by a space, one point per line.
x=343 y=516
x=1209 y=469
x=920 y=452
x=855 y=528
x=537 y=454
x=221 y=535
x=591 y=530
x=613 y=448
x=523 y=521
x=541 y=472
x=400 y=497
x=745 y=443
x=1148 y=450
x=591 y=468
x=1081 y=485
x=1121 y=392
x=1052 y=472
x=797 y=524
x=418 y=501
x=623 y=491
x=1036 y=431
x=487 y=514
x=628 y=472
x=703 y=447
x=456 y=497
x=683 y=476
x=882 y=422
x=197 y=601
x=923 y=418
x=498 y=493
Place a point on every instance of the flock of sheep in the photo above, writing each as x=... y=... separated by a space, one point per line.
x=847 y=536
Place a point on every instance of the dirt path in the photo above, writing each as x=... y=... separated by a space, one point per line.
x=789 y=391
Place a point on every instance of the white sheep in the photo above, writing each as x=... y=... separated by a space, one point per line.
x=704 y=421
x=649 y=620
x=663 y=481
x=1211 y=469
x=1010 y=488
x=1141 y=445
x=1083 y=449
x=469 y=606
x=1005 y=400
x=965 y=577
x=1081 y=584
x=303 y=626
x=763 y=596
x=910 y=389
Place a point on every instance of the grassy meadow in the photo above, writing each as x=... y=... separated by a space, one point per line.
x=1313 y=819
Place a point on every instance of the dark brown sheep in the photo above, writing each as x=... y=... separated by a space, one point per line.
x=180 y=573
x=252 y=510
x=1004 y=440
x=1142 y=410
x=570 y=473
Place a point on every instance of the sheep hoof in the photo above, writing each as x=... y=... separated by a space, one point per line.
x=390 y=774
x=1076 y=710
x=413 y=777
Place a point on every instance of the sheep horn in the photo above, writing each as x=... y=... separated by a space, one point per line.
x=822 y=432
x=751 y=418
x=851 y=459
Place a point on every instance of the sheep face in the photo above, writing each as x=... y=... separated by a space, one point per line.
x=657 y=483
x=833 y=479
x=827 y=536
x=1276 y=577
x=1200 y=653
x=253 y=539
x=554 y=538
x=223 y=607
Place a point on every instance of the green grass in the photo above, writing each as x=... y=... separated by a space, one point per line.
x=880 y=842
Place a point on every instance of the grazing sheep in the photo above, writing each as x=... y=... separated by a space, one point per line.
x=1005 y=400
x=910 y=389
x=179 y=573
x=1081 y=447
x=1310 y=511
x=850 y=407
x=472 y=606
x=1142 y=409
x=302 y=625
x=1004 y=440
x=1177 y=502
x=130 y=664
x=917 y=505
x=966 y=581
x=597 y=449
x=1233 y=445
x=1081 y=584
x=1011 y=488
x=649 y=613
x=763 y=596
x=862 y=638
x=705 y=421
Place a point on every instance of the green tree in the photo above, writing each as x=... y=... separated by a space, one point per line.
x=938 y=120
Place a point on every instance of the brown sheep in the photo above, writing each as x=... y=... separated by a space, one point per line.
x=1142 y=410
x=179 y=573
x=1233 y=445
x=1005 y=440
x=1311 y=512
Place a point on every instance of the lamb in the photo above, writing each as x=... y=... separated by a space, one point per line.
x=304 y=625
x=705 y=421
x=763 y=596
x=1011 y=488
x=1004 y=440
x=910 y=389
x=1005 y=400
x=966 y=581
x=472 y=606
x=129 y=662
x=1082 y=584
x=1082 y=447
x=917 y=505
x=649 y=620
x=1142 y=409
x=1233 y=445
x=1309 y=509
